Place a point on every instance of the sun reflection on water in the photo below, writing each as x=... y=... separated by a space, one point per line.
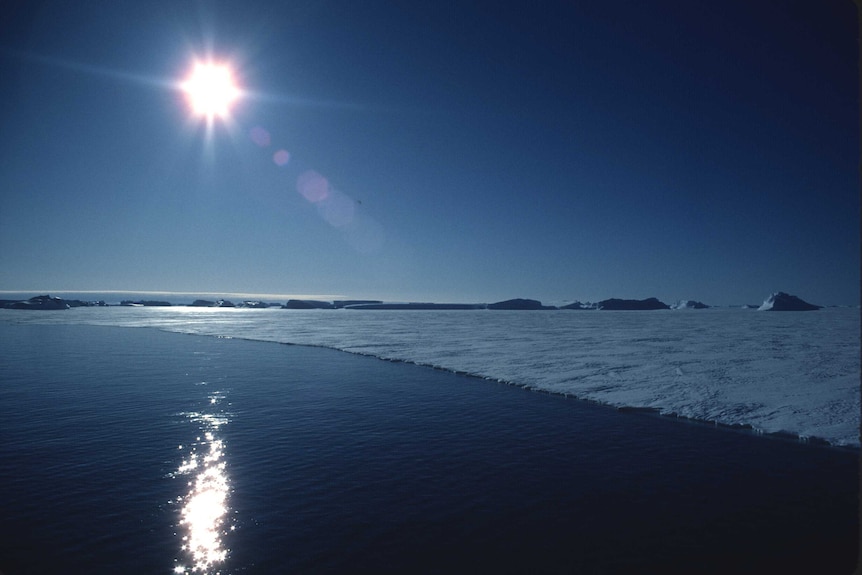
x=204 y=513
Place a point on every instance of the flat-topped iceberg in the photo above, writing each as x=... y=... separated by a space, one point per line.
x=417 y=306
x=632 y=304
x=519 y=304
x=307 y=304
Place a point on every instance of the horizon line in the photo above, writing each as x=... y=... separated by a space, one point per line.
x=335 y=297
x=182 y=293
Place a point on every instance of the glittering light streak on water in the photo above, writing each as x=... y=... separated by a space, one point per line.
x=204 y=514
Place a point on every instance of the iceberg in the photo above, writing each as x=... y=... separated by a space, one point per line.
x=780 y=301
x=688 y=304
x=37 y=302
x=580 y=305
x=418 y=306
x=632 y=304
x=519 y=304
x=307 y=304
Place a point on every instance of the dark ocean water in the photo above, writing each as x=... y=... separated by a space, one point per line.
x=325 y=462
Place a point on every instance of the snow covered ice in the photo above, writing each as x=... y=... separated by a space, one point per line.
x=795 y=373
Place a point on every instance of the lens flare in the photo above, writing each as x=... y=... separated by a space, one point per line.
x=337 y=209
x=260 y=136
x=312 y=186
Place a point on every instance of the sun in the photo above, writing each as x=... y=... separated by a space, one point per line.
x=211 y=89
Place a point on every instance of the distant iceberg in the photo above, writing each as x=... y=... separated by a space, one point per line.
x=208 y=303
x=580 y=305
x=632 y=304
x=519 y=304
x=780 y=301
x=418 y=306
x=688 y=304
x=307 y=304
x=37 y=302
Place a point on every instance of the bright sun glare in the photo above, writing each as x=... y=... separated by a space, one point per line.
x=211 y=89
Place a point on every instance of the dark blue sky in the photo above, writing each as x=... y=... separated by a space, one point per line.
x=473 y=151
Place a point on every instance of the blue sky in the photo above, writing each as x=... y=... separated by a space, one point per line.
x=471 y=151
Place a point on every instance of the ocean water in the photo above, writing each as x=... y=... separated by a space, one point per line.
x=790 y=373
x=138 y=451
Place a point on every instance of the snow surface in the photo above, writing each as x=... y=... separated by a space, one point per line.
x=795 y=373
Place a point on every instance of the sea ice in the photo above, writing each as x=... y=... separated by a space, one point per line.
x=792 y=373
